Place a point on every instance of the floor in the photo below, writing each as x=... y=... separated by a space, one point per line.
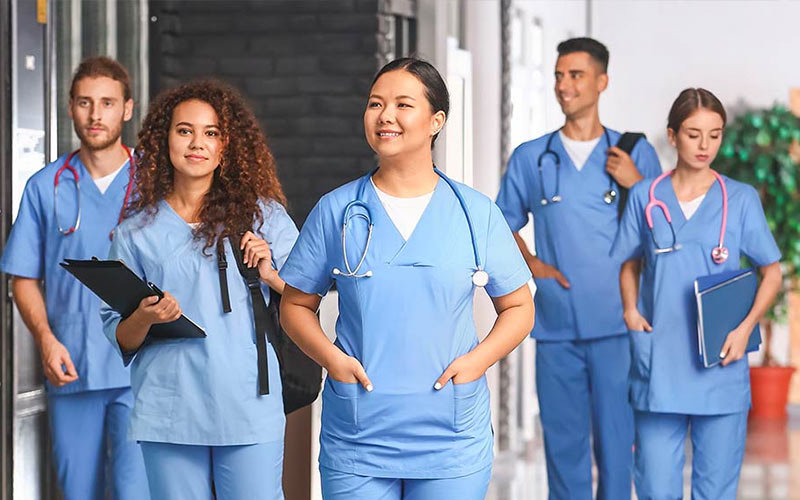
x=771 y=469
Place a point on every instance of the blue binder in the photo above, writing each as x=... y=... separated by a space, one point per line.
x=723 y=301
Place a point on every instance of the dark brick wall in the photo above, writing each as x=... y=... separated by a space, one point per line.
x=304 y=65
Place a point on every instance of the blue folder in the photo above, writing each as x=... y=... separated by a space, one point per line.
x=723 y=301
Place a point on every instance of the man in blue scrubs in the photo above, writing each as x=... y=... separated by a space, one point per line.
x=570 y=181
x=88 y=388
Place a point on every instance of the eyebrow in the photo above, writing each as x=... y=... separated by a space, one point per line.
x=90 y=97
x=376 y=96
x=699 y=130
x=192 y=125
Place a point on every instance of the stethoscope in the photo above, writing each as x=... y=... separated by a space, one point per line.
x=479 y=277
x=719 y=254
x=608 y=196
x=67 y=166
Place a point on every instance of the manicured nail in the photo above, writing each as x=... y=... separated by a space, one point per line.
x=437 y=386
x=369 y=387
x=722 y=355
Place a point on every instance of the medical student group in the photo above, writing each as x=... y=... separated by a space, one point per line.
x=405 y=410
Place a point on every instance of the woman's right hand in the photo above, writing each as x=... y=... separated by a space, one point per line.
x=348 y=370
x=151 y=310
x=636 y=322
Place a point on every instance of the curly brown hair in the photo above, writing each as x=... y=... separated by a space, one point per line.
x=245 y=177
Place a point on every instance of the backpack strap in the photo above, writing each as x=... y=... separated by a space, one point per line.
x=261 y=317
x=627 y=142
x=222 y=265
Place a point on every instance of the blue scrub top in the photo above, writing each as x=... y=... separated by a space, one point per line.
x=667 y=374
x=405 y=324
x=200 y=391
x=35 y=248
x=573 y=235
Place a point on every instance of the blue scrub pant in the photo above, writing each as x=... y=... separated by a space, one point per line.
x=89 y=431
x=717 y=453
x=583 y=392
x=343 y=486
x=185 y=472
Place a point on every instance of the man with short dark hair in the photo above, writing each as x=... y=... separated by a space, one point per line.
x=571 y=180
x=68 y=210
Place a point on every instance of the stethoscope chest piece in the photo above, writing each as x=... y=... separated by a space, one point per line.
x=609 y=196
x=719 y=254
x=480 y=278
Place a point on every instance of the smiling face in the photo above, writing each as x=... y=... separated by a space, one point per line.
x=98 y=109
x=579 y=82
x=195 y=140
x=399 y=119
x=698 y=139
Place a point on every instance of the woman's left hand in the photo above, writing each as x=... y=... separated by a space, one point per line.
x=462 y=370
x=256 y=252
x=735 y=345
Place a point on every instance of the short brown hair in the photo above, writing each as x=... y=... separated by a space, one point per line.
x=690 y=100
x=93 y=67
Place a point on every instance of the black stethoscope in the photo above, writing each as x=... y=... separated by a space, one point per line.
x=608 y=196
x=67 y=166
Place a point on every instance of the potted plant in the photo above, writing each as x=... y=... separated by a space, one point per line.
x=762 y=148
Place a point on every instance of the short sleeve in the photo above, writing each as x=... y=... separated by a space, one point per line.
x=758 y=244
x=307 y=267
x=646 y=159
x=24 y=251
x=514 y=196
x=628 y=241
x=120 y=250
x=280 y=232
x=504 y=263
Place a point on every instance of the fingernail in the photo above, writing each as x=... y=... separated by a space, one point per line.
x=722 y=355
x=437 y=386
x=369 y=387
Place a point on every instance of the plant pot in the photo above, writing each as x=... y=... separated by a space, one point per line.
x=769 y=386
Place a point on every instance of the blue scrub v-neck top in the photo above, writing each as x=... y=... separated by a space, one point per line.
x=405 y=324
x=200 y=391
x=35 y=248
x=667 y=374
x=574 y=235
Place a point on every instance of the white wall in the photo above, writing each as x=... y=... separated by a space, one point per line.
x=746 y=52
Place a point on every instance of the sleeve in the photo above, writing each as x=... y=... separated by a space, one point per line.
x=24 y=251
x=646 y=159
x=120 y=249
x=514 y=196
x=504 y=263
x=628 y=241
x=308 y=268
x=280 y=232
x=757 y=241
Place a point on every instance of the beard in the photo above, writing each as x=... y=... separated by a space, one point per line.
x=98 y=143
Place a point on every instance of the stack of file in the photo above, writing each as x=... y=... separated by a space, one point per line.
x=122 y=290
x=723 y=301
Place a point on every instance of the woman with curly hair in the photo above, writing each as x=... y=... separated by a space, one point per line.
x=205 y=176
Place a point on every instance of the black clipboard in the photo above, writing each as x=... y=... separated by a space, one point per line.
x=120 y=288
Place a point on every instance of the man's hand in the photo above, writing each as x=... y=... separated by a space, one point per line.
x=620 y=166
x=57 y=363
x=541 y=270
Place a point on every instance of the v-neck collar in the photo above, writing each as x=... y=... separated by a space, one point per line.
x=175 y=215
x=591 y=159
x=88 y=184
x=675 y=206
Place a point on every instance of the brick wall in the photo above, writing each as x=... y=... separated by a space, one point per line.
x=304 y=65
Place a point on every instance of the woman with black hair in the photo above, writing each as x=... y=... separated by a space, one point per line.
x=406 y=405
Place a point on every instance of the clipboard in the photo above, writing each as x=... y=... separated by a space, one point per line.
x=123 y=290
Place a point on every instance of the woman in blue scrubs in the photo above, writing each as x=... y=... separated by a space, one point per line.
x=671 y=391
x=205 y=175
x=405 y=410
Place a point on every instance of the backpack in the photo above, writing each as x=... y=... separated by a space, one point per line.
x=301 y=376
x=626 y=142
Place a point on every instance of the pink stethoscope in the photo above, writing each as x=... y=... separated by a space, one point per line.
x=67 y=166
x=720 y=252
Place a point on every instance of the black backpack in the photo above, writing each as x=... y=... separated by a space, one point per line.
x=301 y=376
x=626 y=142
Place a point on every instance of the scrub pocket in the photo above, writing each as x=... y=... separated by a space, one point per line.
x=466 y=404
x=552 y=304
x=641 y=353
x=339 y=405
